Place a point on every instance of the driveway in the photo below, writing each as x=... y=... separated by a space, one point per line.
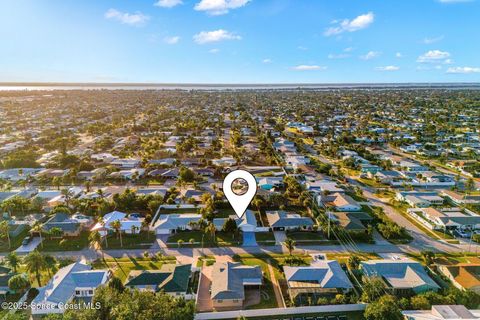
x=249 y=239
x=29 y=247
x=280 y=237
x=204 y=303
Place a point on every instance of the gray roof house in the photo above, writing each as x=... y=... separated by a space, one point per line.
x=169 y=223
x=400 y=276
x=282 y=220
x=75 y=281
x=323 y=277
x=230 y=281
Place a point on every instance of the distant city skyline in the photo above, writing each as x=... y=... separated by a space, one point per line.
x=240 y=41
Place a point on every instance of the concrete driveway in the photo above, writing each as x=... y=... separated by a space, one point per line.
x=280 y=237
x=204 y=302
x=32 y=245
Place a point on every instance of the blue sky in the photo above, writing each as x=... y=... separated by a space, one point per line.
x=240 y=41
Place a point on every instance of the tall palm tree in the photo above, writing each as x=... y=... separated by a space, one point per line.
x=290 y=245
x=95 y=240
x=50 y=264
x=5 y=231
x=38 y=228
x=211 y=229
x=13 y=261
x=35 y=263
x=117 y=226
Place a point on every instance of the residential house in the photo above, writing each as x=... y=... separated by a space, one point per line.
x=126 y=163
x=322 y=278
x=401 y=277
x=464 y=276
x=442 y=312
x=282 y=220
x=131 y=224
x=447 y=219
x=231 y=283
x=75 y=281
x=71 y=226
x=420 y=199
x=172 y=279
x=343 y=202
x=171 y=223
x=460 y=199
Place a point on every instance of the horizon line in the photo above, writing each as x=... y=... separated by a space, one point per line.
x=153 y=84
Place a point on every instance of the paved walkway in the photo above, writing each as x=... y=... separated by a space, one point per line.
x=276 y=286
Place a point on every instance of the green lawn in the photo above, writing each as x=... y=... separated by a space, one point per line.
x=222 y=239
x=143 y=240
x=372 y=183
x=15 y=242
x=69 y=244
x=305 y=235
x=357 y=197
x=264 y=236
x=121 y=267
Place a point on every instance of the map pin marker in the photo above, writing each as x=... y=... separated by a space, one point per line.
x=239 y=187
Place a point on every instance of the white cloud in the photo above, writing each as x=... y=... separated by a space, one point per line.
x=302 y=48
x=307 y=67
x=168 y=3
x=388 y=68
x=370 y=55
x=349 y=49
x=219 y=7
x=171 y=40
x=434 y=56
x=398 y=55
x=214 y=50
x=267 y=60
x=463 y=70
x=432 y=40
x=133 y=19
x=346 y=25
x=338 y=56
x=215 y=36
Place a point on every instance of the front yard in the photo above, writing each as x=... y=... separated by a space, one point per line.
x=223 y=239
x=64 y=244
x=143 y=240
x=121 y=267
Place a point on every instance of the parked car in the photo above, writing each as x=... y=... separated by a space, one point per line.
x=26 y=240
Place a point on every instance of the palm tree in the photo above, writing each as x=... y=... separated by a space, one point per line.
x=50 y=264
x=88 y=185
x=35 y=262
x=117 y=226
x=38 y=228
x=13 y=261
x=211 y=229
x=191 y=241
x=290 y=245
x=5 y=231
x=95 y=240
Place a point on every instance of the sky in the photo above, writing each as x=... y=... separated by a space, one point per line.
x=240 y=41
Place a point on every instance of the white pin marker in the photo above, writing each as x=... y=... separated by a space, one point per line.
x=239 y=187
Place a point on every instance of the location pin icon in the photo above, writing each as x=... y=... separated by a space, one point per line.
x=239 y=187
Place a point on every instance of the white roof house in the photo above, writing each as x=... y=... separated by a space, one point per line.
x=76 y=280
x=128 y=224
x=443 y=312
x=169 y=223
